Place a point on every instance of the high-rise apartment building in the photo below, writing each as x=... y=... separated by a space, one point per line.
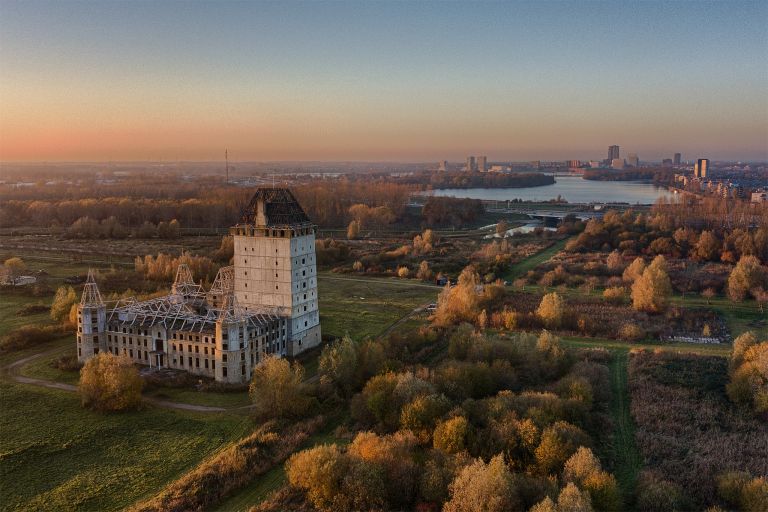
x=442 y=165
x=701 y=168
x=633 y=160
x=471 y=166
x=613 y=153
x=482 y=163
x=678 y=158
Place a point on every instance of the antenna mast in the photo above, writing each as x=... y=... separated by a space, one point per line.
x=226 y=162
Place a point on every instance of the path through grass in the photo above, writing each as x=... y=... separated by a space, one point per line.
x=626 y=457
x=520 y=268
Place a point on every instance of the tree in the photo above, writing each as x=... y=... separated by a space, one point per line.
x=481 y=487
x=277 y=389
x=614 y=262
x=747 y=275
x=424 y=273
x=709 y=294
x=707 y=247
x=584 y=469
x=651 y=291
x=15 y=266
x=551 y=310
x=338 y=365
x=451 y=435
x=634 y=270
x=403 y=272
x=571 y=499
x=110 y=383
x=558 y=442
x=460 y=302
x=62 y=303
x=319 y=471
x=353 y=230
x=749 y=373
x=357 y=266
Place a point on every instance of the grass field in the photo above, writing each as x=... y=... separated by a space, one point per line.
x=11 y=303
x=56 y=456
x=366 y=307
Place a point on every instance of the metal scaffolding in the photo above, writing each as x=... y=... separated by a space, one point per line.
x=91 y=297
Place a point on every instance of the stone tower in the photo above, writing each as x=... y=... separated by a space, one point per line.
x=91 y=321
x=275 y=264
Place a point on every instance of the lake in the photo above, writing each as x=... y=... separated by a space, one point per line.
x=573 y=189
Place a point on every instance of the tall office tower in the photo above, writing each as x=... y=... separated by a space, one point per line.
x=613 y=153
x=471 y=166
x=442 y=165
x=678 y=158
x=482 y=163
x=633 y=160
x=701 y=168
x=275 y=263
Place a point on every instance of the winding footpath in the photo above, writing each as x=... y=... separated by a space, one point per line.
x=13 y=372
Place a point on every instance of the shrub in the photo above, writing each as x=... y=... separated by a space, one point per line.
x=558 y=442
x=748 y=274
x=110 y=383
x=740 y=490
x=615 y=294
x=631 y=332
x=27 y=336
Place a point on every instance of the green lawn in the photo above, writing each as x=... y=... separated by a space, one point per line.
x=366 y=307
x=208 y=398
x=56 y=456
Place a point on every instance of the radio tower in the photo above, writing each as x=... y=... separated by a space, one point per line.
x=226 y=163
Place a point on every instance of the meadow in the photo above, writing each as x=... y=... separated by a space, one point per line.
x=54 y=455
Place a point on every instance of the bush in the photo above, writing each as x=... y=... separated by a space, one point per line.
x=27 y=336
x=615 y=294
x=631 y=332
x=110 y=383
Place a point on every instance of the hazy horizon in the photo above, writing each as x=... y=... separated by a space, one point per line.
x=373 y=82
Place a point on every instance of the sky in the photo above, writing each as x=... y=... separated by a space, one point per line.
x=373 y=81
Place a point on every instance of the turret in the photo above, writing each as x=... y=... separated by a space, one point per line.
x=91 y=321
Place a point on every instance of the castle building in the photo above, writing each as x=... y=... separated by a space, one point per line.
x=265 y=303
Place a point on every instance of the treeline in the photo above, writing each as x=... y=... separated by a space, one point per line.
x=479 y=179
x=658 y=175
x=677 y=230
x=451 y=211
x=327 y=204
x=85 y=227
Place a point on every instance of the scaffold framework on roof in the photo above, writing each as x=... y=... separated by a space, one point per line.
x=187 y=308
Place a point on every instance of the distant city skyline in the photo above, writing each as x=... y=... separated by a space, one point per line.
x=379 y=81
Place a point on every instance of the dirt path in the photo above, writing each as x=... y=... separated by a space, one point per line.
x=13 y=372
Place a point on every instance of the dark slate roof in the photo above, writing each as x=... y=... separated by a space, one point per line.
x=282 y=209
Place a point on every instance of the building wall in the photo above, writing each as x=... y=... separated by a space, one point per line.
x=280 y=271
x=227 y=354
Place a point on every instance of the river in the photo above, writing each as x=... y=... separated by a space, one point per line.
x=573 y=189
